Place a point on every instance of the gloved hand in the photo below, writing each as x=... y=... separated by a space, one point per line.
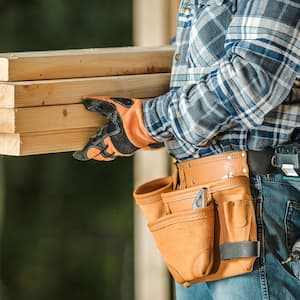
x=122 y=135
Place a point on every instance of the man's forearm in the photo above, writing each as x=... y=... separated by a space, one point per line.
x=254 y=76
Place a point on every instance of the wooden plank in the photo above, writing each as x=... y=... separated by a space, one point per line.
x=47 y=118
x=70 y=91
x=20 y=144
x=84 y=63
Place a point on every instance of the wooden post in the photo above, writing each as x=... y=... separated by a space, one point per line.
x=173 y=11
x=151 y=277
x=2 y=203
x=2 y=193
x=152 y=27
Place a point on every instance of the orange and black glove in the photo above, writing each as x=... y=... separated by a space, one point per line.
x=122 y=135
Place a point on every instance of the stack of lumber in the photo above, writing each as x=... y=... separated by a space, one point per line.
x=41 y=93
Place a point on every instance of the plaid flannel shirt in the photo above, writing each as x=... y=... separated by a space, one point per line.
x=234 y=65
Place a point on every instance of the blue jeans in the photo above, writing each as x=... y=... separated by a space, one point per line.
x=277 y=202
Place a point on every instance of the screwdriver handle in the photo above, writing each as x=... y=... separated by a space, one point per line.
x=289 y=259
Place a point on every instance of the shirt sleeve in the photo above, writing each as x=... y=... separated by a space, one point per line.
x=254 y=76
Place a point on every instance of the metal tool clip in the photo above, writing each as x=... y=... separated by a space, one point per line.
x=295 y=255
x=201 y=200
x=287 y=158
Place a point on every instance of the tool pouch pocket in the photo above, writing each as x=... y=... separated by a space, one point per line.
x=235 y=212
x=236 y=238
x=185 y=238
x=186 y=241
x=148 y=197
x=207 y=243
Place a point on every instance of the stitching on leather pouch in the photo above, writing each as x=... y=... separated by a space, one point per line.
x=193 y=191
x=175 y=219
x=221 y=158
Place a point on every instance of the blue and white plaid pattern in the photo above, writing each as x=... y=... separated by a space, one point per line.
x=234 y=65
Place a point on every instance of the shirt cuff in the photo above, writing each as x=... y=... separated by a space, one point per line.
x=156 y=117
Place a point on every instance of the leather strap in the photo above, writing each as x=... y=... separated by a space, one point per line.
x=212 y=168
x=240 y=250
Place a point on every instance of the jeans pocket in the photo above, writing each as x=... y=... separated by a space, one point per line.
x=295 y=267
x=292 y=228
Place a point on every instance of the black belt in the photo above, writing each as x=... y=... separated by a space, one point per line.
x=260 y=162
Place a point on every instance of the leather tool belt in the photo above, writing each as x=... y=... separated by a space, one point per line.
x=202 y=218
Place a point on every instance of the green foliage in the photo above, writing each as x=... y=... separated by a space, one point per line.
x=68 y=225
x=60 y=24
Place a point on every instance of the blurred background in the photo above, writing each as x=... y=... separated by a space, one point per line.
x=67 y=226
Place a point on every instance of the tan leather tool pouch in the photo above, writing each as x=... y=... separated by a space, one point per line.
x=201 y=243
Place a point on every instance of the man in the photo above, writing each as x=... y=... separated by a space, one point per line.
x=234 y=68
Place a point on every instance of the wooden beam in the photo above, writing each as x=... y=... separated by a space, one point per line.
x=151 y=22
x=84 y=63
x=47 y=118
x=173 y=11
x=19 y=144
x=70 y=91
x=151 y=275
x=151 y=28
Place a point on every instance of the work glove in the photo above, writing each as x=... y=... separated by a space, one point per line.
x=122 y=135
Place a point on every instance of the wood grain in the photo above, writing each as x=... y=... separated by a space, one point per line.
x=70 y=91
x=84 y=63
x=47 y=118
x=20 y=144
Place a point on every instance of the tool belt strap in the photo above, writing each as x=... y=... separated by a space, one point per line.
x=240 y=250
x=210 y=169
